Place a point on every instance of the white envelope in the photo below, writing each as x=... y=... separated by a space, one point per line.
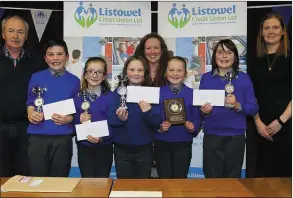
x=95 y=129
x=215 y=97
x=148 y=94
x=64 y=107
x=135 y=194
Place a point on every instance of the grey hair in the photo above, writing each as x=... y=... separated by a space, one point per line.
x=3 y=22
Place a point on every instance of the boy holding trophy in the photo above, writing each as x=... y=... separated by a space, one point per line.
x=50 y=141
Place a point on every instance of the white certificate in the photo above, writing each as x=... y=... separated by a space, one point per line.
x=64 y=107
x=138 y=93
x=215 y=97
x=135 y=194
x=95 y=129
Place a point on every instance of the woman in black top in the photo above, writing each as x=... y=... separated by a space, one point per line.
x=272 y=76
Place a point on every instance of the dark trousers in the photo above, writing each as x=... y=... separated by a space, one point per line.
x=275 y=158
x=14 y=148
x=50 y=156
x=95 y=161
x=223 y=156
x=133 y=162
x=173 y=158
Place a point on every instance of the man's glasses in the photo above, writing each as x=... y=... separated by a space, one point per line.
x=92 y=72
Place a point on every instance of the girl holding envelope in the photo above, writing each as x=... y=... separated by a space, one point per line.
x=95 y=155
x=173 y=141
x=224 y=126
x=50 y=141
x=133 y=125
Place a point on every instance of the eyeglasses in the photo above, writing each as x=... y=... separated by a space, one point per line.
x=92 y=72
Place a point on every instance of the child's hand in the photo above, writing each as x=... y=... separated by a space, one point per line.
x=145 y=106
x=62 y=119
x=93 y=140
x=36 y=117
x=206 y=108
x=85 y=117
x=190 y=127
x=231 y=99
x=165 y=126
x=122 y=114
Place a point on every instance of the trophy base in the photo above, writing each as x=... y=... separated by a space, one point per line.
x=228 y=106
x=123 y=108
x=85 y=122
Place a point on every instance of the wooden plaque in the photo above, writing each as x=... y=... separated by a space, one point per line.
x=175 y=111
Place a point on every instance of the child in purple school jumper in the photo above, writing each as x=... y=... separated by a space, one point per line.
x=50 y=141
x=173 y=143
x=95 y=155
x=133 y=127
x=224 y=127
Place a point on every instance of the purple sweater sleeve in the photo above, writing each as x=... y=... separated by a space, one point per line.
x=196 y=120
x=249 y=106
x=153 y=117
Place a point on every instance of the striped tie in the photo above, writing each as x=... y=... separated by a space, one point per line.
x=57 y=75
x=175 y=91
